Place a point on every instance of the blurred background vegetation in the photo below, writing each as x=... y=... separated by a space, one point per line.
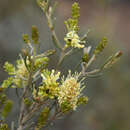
x=109 y=105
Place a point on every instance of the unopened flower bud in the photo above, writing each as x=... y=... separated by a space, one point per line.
x=100 y=47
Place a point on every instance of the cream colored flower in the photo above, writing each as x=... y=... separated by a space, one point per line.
x=72 y=39
x=50 y=87
x=50 y=78
x=70 y=90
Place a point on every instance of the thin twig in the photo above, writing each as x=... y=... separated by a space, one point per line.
x=22 y=110
x=92 y=72
x=12 y=125
x=50 y=25
x=90 y=61
x=30 y=114
x=86 y=65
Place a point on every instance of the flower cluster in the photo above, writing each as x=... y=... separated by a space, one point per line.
x=20 y=73
x=72 y=39
x=67 y=91
x=49 y=87
x=70 y=91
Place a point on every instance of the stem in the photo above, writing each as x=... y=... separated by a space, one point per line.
x=46 y=54
x=61 y=58
x=30 y=114
x=51 y=27
x=63 y=55
x=84 y=67
x=12 y=125
x=87 y=74
x=23 y=107
x=22 y=111
x=52 y=119
x=90 y=61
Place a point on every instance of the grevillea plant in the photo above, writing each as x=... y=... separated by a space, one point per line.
x=47 y=95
